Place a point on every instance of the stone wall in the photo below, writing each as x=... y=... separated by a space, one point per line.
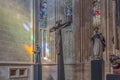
x=16 y=71
x=14 y=38
x=50 y=70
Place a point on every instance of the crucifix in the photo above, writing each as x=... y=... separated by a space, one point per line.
x=58 y=45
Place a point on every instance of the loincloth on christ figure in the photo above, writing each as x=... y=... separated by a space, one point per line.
x=57 y=41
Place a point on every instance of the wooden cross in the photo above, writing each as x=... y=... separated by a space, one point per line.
x=60 y=26
x=58 y=46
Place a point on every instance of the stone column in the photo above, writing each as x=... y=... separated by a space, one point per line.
x=104 y=24
x=77 y=17
x=115 y=46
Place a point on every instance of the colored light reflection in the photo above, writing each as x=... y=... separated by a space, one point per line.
x=29 y=49
x=26 y=27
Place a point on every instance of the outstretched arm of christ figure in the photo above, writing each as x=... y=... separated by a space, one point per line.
x=64 y=25
x=60 y=26
x=53 y=29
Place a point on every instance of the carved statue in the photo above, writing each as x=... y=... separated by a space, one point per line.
x=58 y=46
x=98 y=44
x=58 y=35
x=115 y=63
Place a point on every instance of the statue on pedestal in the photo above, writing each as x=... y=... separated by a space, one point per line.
x=98 y=44
x=58 y=45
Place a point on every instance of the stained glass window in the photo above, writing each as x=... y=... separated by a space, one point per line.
x=67 y=46
x=43 y=27
x=43 y=13
x=96 y=12
x=68 y=10
x=44 y=44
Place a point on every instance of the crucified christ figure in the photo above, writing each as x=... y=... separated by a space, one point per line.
x=58 y=36
x=58 y=45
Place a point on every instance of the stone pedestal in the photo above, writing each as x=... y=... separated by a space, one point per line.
x=37 y=72
x=113 y=77
x=97 y=70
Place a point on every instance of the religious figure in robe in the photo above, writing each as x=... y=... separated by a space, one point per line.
x=98 y=44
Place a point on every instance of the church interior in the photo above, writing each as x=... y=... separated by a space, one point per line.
x=56 y=39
